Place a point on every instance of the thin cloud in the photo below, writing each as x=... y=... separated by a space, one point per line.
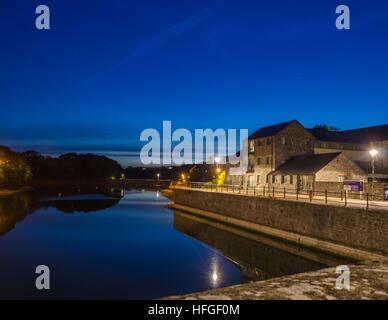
x=157 y=41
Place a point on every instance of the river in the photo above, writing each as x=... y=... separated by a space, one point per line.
x=128 y=245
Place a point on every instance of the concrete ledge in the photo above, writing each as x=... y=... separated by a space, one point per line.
x=367 y=281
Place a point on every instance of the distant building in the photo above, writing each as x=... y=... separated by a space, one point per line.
x=288 y=154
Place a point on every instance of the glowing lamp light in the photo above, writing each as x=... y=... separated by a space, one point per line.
x=373 y=152
x=217 y=159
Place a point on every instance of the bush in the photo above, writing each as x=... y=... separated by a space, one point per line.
x=14 y=171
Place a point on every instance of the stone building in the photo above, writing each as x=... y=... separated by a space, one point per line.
x=356 y=144
x=302 y=172
x=290 y=155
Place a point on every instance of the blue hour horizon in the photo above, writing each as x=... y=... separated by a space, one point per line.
x=98 y=77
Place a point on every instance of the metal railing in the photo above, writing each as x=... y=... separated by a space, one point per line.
x=344 y=198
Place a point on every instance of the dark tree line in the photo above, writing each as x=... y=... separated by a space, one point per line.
x=17 y=168
x=198 y=173
x=72 y=166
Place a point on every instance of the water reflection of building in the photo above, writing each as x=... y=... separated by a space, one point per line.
x=257 y=256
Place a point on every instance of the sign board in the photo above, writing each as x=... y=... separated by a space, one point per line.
x=353 y=185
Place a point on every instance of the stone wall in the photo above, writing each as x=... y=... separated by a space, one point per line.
x=297 y=140
x=337 y=187
x=341 y=166
x=291 y=141
x=356 y=228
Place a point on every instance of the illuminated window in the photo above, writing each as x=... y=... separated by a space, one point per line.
x=251 y=146
x=250 y=181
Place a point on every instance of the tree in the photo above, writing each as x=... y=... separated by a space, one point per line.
x=72 y=166
x=325 y=127
x=14 y=171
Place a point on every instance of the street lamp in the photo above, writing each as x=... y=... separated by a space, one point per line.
x=158 y=175
x=217 y=160
x=373 y=154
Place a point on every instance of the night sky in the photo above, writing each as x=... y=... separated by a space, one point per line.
x=108 y=69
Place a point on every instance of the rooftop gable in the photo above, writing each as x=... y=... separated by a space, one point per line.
x=270 y=130
x=307 y=164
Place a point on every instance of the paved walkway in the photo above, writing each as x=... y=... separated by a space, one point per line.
x=368 y=280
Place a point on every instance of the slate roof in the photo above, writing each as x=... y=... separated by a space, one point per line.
x=307 y=164
x=363 y=135
x=270 y=130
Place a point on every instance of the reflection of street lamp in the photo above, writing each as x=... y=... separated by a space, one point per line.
x=373 y=153
x=214 y=273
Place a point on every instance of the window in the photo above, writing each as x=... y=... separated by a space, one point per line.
x=273 y=179
x=251 y=165
x=283 y=179
x=258 y=161
x=283 y=140
x=250 y=181
x=258 y=142
x=269 y=141
x=267 y=178
x=258 y=181
x=269 y=160
x=251 y=147
x=341 y=178
x=291 y=179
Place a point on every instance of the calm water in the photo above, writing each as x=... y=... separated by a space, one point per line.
x=99 y=246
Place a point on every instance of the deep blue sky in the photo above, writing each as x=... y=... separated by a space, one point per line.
x=108 y=69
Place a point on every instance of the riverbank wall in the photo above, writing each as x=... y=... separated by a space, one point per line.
x=349 y=232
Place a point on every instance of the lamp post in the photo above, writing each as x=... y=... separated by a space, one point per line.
x=373 y=153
